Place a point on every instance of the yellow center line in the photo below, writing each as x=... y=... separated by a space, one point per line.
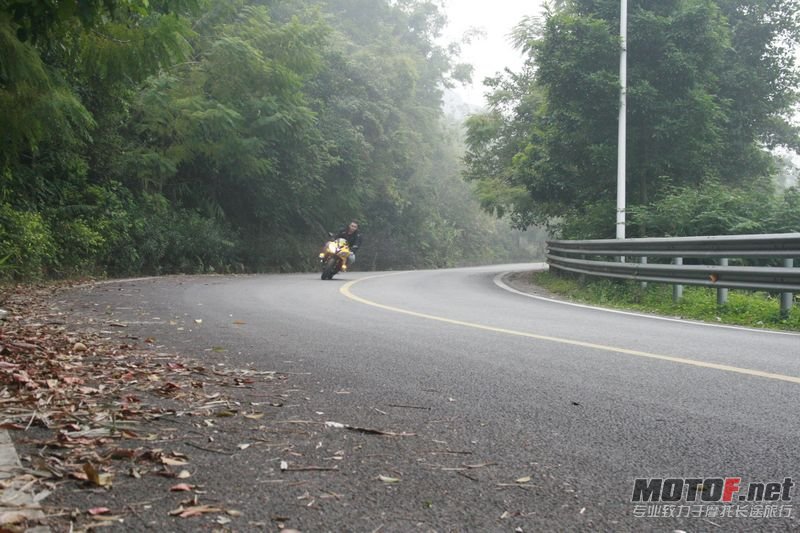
x=345 y=290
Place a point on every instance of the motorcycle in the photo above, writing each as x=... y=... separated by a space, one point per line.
x=333 y=257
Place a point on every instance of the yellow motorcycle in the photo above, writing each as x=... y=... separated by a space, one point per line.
x=333 y=257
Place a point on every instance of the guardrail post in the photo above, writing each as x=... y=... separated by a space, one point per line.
x=722 y=294
x=677 y=290
x=643 y=260
x=787 y=297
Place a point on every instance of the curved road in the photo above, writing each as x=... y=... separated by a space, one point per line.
x=580 y=400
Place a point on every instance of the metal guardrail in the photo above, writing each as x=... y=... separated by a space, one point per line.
x=770 y=245
x=575 y=256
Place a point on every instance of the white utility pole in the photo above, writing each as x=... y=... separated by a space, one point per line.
x=621 y=142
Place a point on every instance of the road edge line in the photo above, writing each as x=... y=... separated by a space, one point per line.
x=501 y=284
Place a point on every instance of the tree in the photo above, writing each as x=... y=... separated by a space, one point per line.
x=188 y=135
x=710 y=84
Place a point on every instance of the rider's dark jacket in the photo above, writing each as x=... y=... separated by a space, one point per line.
x=353 y=239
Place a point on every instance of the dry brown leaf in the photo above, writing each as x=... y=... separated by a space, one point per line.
x=12 y=517
x=93 y=476
x=194 y=511
x=369 y=431
x=108 y=518
x=122 y=453
x=174 y=461
x=181 y=487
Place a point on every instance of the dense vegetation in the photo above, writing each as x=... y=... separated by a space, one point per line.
x=194 y=135
x=712 y=86
x=744 y=308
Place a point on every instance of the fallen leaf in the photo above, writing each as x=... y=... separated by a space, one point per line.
x=387 y=479
x=479 y=465
x=244 y=446
x=107 y=518
x=181 y=487
x=122 y=453
x=523 y=479
x=99 y=510
x=101 y=480
x=368 y=431
x=184 y=474
x=312 y=468
x=194 y=511
x=12 y=517
x=174 y=462
x=81 y=476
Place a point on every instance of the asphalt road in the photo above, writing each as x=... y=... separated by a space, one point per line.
x=497 y=388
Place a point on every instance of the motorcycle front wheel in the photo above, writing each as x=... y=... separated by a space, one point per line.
x=330 y=268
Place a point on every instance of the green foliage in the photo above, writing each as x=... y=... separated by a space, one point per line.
x=713 y=209
x=35 y=100
x=26 y=243
x=745 y=308
x=168 y=136
x=710 y=84
x=167 y=241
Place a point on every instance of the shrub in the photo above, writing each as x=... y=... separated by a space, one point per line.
x=26 y=244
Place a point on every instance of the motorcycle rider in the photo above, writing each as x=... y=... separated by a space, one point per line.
x=353 y=237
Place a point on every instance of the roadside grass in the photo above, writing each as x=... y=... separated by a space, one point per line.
x=744 y=308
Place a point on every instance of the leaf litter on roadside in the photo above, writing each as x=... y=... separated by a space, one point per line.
x=90 y=394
